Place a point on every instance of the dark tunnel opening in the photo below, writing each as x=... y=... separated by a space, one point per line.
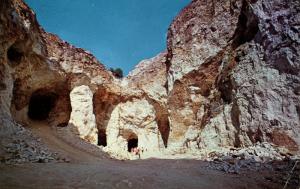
x=14 y=55
x=102 y=138
x=41 y=104
x=132 y=143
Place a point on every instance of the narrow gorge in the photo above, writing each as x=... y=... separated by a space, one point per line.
x=228 y=85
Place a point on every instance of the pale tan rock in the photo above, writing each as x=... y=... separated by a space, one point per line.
x=201 y=31
x=150 y=77
x=229 y=79
x=133 y=120
x=82 y=120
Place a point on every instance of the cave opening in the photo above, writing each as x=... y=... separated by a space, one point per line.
x=132 y=143
x=247 y=26
x=164 y=128
x=226 y=89
x=131 y=138
x=14 y=55
x=40 y=105
x=102 y=138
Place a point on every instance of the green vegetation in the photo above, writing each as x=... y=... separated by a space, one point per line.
x=118 y=72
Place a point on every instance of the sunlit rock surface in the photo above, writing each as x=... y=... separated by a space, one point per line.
x=82 y=119
x=228 y=83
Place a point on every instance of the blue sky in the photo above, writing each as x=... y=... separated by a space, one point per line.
x=120 y=33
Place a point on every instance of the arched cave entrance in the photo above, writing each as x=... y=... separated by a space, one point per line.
x=40 y=105
x=131 y=137
x=102 y=138
x=132 y=143
x=14 y=54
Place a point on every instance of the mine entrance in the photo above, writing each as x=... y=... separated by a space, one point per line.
x=102 y=138
x=131 y=138
x=40 y=105
x=132 y=143
x=14 y=55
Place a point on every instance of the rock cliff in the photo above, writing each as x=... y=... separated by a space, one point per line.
x=234 y=65
x=228 y=80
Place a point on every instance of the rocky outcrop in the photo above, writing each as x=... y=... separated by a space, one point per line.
x=229 y=79
x=139 y=112
x=132 y=124
x=200 y=32
x=230 y=74
x=38 y=72
x=150 y=77
x=79 y=65
x=265 y=90
x=23 y=65
x=82 y=120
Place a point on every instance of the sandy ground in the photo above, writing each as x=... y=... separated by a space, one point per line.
x=90 y=170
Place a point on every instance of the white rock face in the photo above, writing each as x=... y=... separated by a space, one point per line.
x=194 y=39
x=250 y=91
x=133 y=120
x=82 y=121
x=219 y=132
x=273 y=106
x=229 y=79
x=150 y=77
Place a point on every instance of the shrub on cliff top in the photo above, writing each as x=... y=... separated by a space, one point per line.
x=118 y=72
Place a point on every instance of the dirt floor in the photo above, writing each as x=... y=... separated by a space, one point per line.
x=91 y=170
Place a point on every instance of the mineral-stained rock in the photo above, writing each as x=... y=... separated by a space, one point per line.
x=35 y=79
x=22 y=58
x=200 y=32
x=77 y=63
x=150 y=76
x=229 y=79
x=234 y=83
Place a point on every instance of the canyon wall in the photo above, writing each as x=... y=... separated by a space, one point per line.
x=229 y=79
x=234 y=65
